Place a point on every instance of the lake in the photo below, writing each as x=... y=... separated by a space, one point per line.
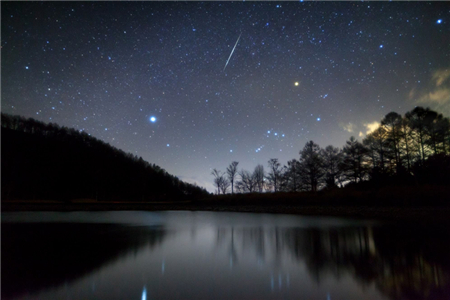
x=219 y=255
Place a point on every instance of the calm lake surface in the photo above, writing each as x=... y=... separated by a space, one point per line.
x=219 y=255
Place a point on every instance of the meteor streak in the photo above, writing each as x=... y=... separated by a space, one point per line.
x=232 y=52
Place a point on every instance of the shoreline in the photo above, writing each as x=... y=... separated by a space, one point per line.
x=427 y=214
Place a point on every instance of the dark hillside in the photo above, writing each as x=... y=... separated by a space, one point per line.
x=47 y=162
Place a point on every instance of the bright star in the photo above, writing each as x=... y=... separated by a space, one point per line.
x=381 y=46
x=152 y=119
x=439 y=21
x=296 y=83
x=318 y=119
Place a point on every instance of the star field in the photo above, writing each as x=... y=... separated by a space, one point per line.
x=151 y=78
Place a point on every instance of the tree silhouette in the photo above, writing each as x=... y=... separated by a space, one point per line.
x=406 y=147
x=377 y=147
x=396 y=150
x=224 y=184
x=218 y=179
x=232 y=173
x=332 y=158
x=247 y=182
x=275 y=174
x=392 y=123
x=418 y=118
x=292 y=174
x=354 y=160
x=311 y=164
x=259 y=175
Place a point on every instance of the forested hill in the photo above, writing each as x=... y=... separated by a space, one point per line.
x=48 y=162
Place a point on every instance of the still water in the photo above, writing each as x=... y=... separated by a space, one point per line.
x=219 y=255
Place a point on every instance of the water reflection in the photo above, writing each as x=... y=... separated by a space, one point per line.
x=38 y=256
x=144 y=294
x=221 y=256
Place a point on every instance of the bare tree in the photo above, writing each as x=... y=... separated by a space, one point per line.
x=218 y=179
x=224 y=184
x=232 y=172
x=258 y=175
x=247 y=182
x=274 y=175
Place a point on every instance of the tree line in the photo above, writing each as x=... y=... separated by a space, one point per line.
x=49 y=162
x=409 y=149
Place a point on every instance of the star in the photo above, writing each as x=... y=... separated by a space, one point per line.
x=152 y=119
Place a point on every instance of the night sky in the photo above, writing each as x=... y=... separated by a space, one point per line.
x=152 y=78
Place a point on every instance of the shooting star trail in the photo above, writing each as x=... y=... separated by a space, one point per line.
x=232 y=52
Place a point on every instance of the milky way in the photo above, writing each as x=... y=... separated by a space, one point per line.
x=149 y=78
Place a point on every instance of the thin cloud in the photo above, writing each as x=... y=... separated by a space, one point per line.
x=437 y=96
x=441 y=76
x=350 y=127
x=440 y=96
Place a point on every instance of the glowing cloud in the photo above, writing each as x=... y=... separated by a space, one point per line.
x=371 y=127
